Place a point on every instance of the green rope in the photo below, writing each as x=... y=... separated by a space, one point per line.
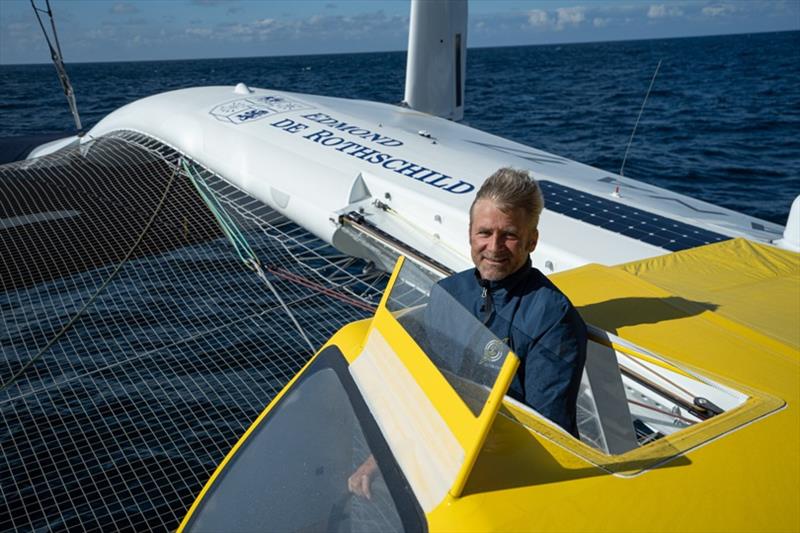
x=226 y=223
x=240 y=244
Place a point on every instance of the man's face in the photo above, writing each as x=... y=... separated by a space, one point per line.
x=500 y=242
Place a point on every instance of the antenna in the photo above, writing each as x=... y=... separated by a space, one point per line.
x=652 y=81
x=58 y=61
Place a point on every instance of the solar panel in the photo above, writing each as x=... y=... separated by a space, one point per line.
x=619 y=218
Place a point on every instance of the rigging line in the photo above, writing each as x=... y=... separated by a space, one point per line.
x=422 y=230
x=652 y=81
x=226 y=223
x=663 y=412
x=100 y=289
x=689 y=405
x=240 y=244
x=290 y=243
x=263 y=276
x=629 y=354
x=305 y=282
x=230 y=228
x=58 y=60
x=659 y=374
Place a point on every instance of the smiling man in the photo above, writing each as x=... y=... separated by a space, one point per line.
x=517 y=302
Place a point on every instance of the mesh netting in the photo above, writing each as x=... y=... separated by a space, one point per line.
x=173 y=344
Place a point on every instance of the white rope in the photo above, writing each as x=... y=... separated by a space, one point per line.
x=260 y=272
x=625 y=157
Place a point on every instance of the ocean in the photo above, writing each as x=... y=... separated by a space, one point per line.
x=722 y=122
x=121 y=422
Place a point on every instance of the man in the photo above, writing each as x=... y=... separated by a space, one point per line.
x=514 y=300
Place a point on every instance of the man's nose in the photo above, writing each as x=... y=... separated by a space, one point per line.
x=495 y=242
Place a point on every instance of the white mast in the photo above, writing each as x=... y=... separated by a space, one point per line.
x=437 y=57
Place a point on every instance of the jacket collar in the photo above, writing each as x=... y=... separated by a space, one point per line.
x=503 y=286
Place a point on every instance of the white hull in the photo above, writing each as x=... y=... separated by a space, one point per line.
x=314 y=158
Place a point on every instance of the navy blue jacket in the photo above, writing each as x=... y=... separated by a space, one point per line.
x=540 y=325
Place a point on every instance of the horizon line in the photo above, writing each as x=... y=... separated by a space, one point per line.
x=46 y=62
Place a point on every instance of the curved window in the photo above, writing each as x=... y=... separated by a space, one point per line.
x=291 y=472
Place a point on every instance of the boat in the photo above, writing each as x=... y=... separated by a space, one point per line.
x=298 y=186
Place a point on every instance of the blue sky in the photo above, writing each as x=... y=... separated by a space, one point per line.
x=109 y=30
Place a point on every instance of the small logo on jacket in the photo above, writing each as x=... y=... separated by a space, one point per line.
x=493 y=351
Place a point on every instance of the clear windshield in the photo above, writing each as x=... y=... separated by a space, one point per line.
x=291 y=473
x=464 y=350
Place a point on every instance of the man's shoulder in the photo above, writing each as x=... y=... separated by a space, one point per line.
x=543 y=294
x=459 y=281
x=539 y=285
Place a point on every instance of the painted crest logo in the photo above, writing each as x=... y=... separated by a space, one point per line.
x=255 y=108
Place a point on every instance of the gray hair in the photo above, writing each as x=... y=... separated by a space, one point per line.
x=512 y=189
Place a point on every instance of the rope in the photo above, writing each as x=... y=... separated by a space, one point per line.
x=263 y=276
x=305 y=282
x=419 y=228
x=660 y=375
x=100 y=289
x=652 y=81
x=240 y=244
x=226 y=223
x=58 y=60
x=663 y=412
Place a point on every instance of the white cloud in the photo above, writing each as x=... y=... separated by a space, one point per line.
x=321 y=26
x=600 y=22
x=657 y=11
x=101 y=33
x=23 y=34
x=570 y=16
x=16 y=27
x=718 y=10
x=537 y=18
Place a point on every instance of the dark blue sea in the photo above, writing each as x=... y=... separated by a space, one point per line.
x=121 y=422
x=722 y=122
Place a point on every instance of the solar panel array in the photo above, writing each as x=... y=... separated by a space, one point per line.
x=635 y=223
x=122 y=417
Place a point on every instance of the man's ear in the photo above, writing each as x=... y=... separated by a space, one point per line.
x=534 y=241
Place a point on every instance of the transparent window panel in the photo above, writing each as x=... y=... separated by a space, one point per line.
x=464 y=350
x=291 y=473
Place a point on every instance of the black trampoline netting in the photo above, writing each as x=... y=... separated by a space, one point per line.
x=138 y=343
